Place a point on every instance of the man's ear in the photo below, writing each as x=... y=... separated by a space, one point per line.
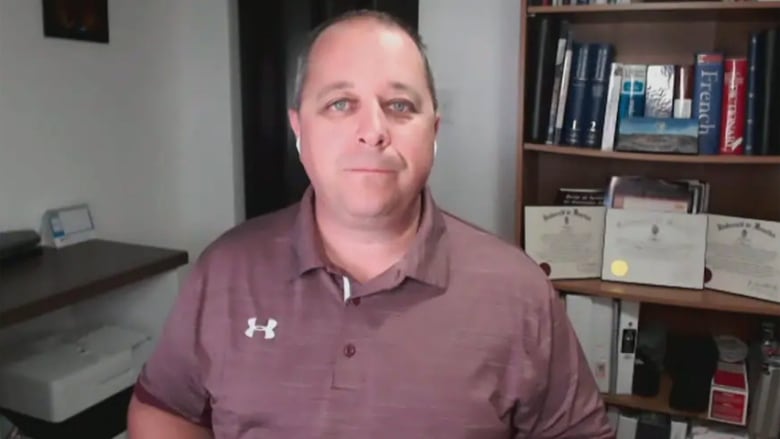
x=436 y=122
x=295 y=123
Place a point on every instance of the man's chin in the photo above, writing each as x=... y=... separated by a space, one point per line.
x=369 y=209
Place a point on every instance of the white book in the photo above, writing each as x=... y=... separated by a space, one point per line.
x=563 y=93
x=592 y=318
x=628 y=337
x=612 y=107
x=678 y=429
x=613 y=417
x=627 y=425
x=560 y=54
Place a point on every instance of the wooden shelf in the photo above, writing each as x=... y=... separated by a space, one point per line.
x=658 y=403
x=681 y=297
x=61 y=277
x=656 y=6
x=706 y=10
x=669 y=158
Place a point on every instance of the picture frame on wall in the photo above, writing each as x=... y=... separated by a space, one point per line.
x=84 y=20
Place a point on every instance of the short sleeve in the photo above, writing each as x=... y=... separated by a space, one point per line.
x=564 y=401
x=173 y=377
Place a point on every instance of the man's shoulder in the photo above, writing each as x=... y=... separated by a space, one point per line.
x=265 y=234
x=470 y=241
x=477 y=252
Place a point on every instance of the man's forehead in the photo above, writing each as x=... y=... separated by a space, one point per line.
x=368 y=43
x=348 y=32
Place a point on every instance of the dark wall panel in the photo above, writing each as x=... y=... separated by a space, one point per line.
x=271 y=32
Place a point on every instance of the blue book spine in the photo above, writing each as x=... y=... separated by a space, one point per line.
x=632 y=92
x=753 y=89
x=575 y=120
x=708 y=100
x=599 y=86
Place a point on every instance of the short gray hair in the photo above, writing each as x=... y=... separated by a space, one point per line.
x=302 y=65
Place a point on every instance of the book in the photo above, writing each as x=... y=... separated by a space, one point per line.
x=734 y=100
x=707 y=100
x=632 y=92
x=597 y=96
x=609 y=127
x=755 y=68
x=576 y=117
x=660 y=91
x=658 y=135
x=564 y=41
x=580 y=197
x=648 y=193
x=683 y=92
x=542 y=76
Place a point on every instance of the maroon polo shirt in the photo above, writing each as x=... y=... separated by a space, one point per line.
x=463 y=338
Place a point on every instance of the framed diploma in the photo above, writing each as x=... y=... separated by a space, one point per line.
x=566 y=241
x=655 y=248
x=742 y=257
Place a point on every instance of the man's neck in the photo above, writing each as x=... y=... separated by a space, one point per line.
x=366 y=248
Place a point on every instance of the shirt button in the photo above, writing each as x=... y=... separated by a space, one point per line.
x=349 y=350
x=356 y=301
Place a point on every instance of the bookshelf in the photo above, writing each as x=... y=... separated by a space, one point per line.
x=679 y=297
x=613 y=155
x=708 y=9
x=663 y=32
x=652 y=404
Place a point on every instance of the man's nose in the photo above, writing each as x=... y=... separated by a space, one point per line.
x=373 y=130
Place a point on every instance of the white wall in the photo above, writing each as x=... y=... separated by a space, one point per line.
x=142 y=128
x=474 y=47
x=145 y=129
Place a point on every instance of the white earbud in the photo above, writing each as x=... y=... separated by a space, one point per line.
x=435 y=147
x=298 y=144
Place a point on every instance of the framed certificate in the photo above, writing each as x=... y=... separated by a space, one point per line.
x=743 y=256
x=566 y=241
x=655 y=248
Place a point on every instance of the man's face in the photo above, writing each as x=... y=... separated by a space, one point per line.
x=366 y=121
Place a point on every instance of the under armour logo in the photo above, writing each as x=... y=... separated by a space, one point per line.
x=268 y=329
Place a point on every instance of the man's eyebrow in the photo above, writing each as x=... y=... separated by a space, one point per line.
x=400 y=86
x=340 y=85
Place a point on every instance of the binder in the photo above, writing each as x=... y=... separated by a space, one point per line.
x=592 y=319
x=627 y=342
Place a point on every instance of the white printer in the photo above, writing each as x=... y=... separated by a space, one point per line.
x=56 y=376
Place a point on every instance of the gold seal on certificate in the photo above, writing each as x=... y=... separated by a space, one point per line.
x=743 y=256
x=566 y=241
x=655 y=248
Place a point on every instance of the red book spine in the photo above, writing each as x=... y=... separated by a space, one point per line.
x=732 y=136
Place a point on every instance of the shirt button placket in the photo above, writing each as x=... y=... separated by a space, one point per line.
x=349 y=350
x=348 y=372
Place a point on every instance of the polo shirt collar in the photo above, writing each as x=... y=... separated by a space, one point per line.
x=427 y=259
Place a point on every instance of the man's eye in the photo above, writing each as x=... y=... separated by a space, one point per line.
x=340 y=105
x=400 y=106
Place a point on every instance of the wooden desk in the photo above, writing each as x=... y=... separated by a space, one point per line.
x=61 y=277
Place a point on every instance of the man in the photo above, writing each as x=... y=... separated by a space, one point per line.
x=364 y=311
